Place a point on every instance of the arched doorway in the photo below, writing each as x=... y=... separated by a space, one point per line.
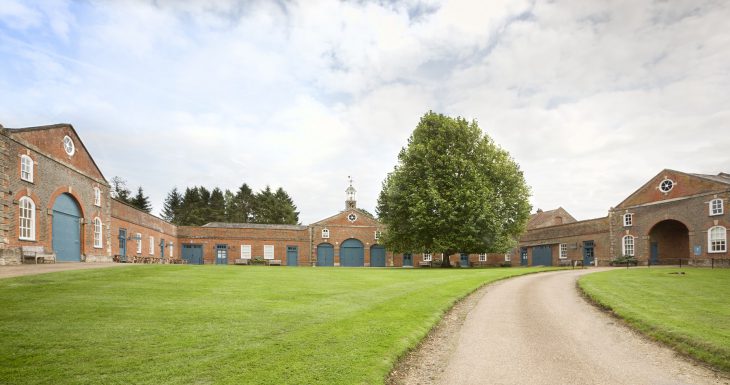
x=668 y=241
x=66 y=229
x=325 y=254
x=352 y=253
x=377 y=256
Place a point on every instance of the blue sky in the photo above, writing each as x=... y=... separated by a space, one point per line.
x=591 y=98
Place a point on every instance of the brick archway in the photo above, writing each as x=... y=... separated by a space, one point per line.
x=668 y=242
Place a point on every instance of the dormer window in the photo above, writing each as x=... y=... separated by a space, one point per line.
x=26 y=168
x=716 y=207
x=97 y=197
x=628 y=220
x=68 y=146
x=325 y=233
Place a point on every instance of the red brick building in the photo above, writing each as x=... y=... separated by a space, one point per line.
x=53 y=195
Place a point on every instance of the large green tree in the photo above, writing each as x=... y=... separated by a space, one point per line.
x=453 y=190
x=171 y=207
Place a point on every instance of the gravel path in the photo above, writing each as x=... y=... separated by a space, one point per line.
x=537 y=329
x=30 y=269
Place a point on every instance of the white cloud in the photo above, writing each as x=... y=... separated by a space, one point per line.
x=591 y=98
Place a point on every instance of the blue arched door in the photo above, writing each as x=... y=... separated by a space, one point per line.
x=352 y=253
x=66 y=231
x=377 y=256
x=325 y=255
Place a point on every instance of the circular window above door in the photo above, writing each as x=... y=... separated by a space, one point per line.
x=666 y=185
x=68 y=145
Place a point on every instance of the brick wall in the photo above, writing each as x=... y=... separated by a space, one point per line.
x=51 y=179
x=257 y=236
x=572 y=235
x=141 y=229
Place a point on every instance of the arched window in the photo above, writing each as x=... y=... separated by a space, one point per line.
x=717 y=239
x=97 y=196
x=27 y=219
x=716 y=207
x=26 y=168
x=628 y=246
x=97 y=233
x=325 y=233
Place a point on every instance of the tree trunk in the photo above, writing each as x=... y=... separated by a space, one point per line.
x=445 y=260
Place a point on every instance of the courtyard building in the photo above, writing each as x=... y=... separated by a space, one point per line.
x=54 y=197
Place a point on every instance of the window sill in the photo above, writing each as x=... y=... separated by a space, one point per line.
x=26 y=180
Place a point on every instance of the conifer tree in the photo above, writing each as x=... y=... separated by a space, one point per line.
x=141 y=201
x=172 y=206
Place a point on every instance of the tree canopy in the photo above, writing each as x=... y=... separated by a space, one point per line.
x=453 y=190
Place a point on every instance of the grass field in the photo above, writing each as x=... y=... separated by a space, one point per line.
x=690 y=312
x=221 y=324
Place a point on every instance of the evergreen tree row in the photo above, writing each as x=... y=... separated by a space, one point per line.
x=197 y=206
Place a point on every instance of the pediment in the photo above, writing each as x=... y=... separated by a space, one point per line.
x=671 y=184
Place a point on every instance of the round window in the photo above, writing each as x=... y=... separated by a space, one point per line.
x=68 y=145
x=352 y=217
x=666 y=185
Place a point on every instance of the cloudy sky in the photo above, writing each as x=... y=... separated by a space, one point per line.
x=592 y=98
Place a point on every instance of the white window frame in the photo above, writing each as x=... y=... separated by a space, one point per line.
x=98 y=230
x=26 y=168
x=69 y=146
x=483 y=257
x=138 y=238
x=508 y=257
x=717 y=207
x=152 y=245
x=171 y=246
x=717 y=239
x=325 y=233
x=245 y=251
x=427 y=257
x=377 y=234
x=97 y=197
x=26 y=219
x=563 y=251
x=628 y=219
x=268 y=251
x=628 y=246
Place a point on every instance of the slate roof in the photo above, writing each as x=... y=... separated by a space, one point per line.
x=549 y=218
x=254 y=226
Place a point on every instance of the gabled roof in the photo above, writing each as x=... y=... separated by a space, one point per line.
x=19 y=132
x=548 y=218
x=360 y=212
x=686 y=185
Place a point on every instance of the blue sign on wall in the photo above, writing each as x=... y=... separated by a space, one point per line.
x=698 y=250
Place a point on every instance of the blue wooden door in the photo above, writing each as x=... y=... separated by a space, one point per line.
x=588 y=253
x=542 y=256
x=408 y=259
x=123 y=244
x=193 y=254
x=523 y=256
x=654 y=256
x=66 y=229
x=221 y=254
x=377 y=256
x=464 y=260
x=162 y=249
x=325 y=255
x=352 y=253
x=292 y=256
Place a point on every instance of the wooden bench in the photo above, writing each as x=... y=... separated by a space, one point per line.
x=424 y=264
x=36 y=253
x=242 y=261
x=275 y=262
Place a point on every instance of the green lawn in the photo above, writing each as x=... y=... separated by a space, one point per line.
x=690 y=312
x=221 y=324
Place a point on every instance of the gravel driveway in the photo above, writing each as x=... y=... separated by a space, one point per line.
x=537 y=329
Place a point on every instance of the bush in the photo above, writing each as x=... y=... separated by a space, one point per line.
x=623 y=260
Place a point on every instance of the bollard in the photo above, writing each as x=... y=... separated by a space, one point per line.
x=680 y=263
x=713 y=263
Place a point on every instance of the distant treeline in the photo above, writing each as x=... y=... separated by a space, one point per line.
x=198 y=205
